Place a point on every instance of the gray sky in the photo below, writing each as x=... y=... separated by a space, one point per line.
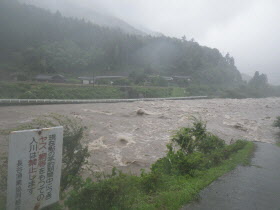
x=248 y=29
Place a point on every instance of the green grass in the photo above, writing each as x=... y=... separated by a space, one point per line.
x=2 y=202
x=29 y=90
x=278 y=144
x=167 y=191
x=180 y=190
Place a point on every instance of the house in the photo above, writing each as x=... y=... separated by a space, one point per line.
x=90 y=80
x=47 y=78
x=87 y=80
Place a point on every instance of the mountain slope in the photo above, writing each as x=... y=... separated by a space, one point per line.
x=95 y=16
x=36 y=41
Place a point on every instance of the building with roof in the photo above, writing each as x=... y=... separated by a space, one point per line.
x=94 y=80
x=48 y=78
x=86 y=80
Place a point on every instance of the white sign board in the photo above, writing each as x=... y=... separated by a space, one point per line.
x=34 y=168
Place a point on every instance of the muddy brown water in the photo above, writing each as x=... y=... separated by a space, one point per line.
x=118 y=137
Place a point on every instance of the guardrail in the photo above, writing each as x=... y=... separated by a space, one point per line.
x=76 y=101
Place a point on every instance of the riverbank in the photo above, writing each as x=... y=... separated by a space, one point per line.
x=253 y=187
x=35 y=90
x=173 y=180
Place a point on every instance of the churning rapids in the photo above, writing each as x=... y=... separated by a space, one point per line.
x=131 y=136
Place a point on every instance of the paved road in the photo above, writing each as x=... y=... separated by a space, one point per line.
x=250 y=188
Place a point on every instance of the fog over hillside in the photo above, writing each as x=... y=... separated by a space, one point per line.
x=248 y=30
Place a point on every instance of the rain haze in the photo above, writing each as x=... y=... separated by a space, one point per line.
x=248 y=30
x=139 y=104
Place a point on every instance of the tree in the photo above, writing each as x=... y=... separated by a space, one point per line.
x=229 y=59
x=259 y=81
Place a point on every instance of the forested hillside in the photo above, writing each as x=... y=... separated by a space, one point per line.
x=94 y=14
x=36 y=41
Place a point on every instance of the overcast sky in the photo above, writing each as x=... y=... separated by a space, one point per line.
x=248 y=29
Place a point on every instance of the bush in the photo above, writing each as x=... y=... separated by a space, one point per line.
x=211 y=143
x=276 y=123
x=197 y=139
x=117 y=192
x=194 y=149
x=216 y=157
x=151 y=182
x=188 y=139
x=239 y=144
x=186 y=164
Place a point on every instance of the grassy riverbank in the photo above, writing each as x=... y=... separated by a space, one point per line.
x=71 y=91
x=173 y=181
x=195 y=158
x=152 y=191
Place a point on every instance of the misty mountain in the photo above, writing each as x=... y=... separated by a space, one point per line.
x=107 y=21
x=36 y=41
x=95 y=16
x=148 y=31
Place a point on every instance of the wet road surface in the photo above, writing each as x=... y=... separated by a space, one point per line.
x=255 y=187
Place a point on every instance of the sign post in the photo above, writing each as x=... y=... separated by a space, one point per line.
x=34 y=168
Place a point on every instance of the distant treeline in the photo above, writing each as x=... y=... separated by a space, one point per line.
x=37 y=41
x=257 y=87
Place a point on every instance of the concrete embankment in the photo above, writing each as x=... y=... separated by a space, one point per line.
x=90 y=101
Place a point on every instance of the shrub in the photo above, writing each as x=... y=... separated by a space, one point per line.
x=117 y=192
x=239 y=144
x=276 y=123
x=150 y=182
x=215 y=158
x=188 y=139
x=197 y=139
x=162 y=165
x=194 y=149
x=178 y=163
x=186 y=164
x=210 y=143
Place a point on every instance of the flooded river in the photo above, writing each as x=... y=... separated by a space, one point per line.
x=131 y=136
